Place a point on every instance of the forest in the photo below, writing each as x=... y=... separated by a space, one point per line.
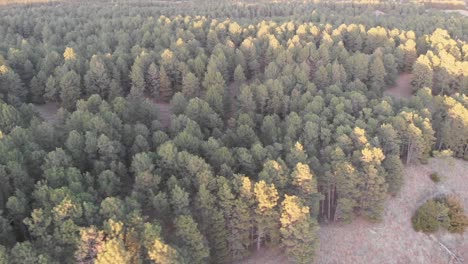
x=202 y=131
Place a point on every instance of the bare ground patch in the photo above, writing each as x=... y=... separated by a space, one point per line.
x=164 y=111
x=48 y=111
x=460 y=11
x=393 y=241
x=402 y=88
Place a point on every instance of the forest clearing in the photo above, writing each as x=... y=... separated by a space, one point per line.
x=402 y=88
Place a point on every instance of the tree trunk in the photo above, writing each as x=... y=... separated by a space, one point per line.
x=408 y=153
x=332 y=201
x=259 y=240
x=329 y=202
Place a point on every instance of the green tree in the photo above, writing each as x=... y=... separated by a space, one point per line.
x=193 y=245
x=97 y=80
x=152 y=81
x=298 y=230
x=70 y=89
x=266 y=214
x=165 y=85
x=422 y=73
x=377 y=75
x=190 y=85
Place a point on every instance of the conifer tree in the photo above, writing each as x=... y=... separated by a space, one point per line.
x=190 y=86
x=377 y=76
x=298 y=230
x=193 y=246
x=70 y=89
x=152 y=81
x=422 y=73
x=165 y=86
x=266 y=214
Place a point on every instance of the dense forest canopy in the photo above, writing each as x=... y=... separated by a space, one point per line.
x=200 y=131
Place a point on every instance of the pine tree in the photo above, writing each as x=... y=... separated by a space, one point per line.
x=275 y=172
x=373 y=186
x=113 y=252
x=296 y=155
x=239 y=75
x=394 y=176
x=305 y=183
x=90 y=245
x=298 y=230
x=137 y=75
x=422 y=73
x=152 y=81
x=97 y=80
x=214 y=85
x=180 y=201
x=165 y=86
x=266 y=214
x=161 y=253
x=377 y=76
x=193 y=245
x=52 y=90
x=70 y=89
x=190 y=86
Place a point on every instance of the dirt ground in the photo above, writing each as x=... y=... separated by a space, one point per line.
x=460 y=11
x=379 y=13
x=48 y=111
x=402 y=88
x=393 y=241
x=164 y=111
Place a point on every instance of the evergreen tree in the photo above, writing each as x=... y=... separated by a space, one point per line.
x=97 y=79
x=298 y=230
x=70 y=89
x=193 y=245
x=165 y=85
x=266 y=214
x=377 y=76
x=190 y=86
x=422 y=73
x=152 y=81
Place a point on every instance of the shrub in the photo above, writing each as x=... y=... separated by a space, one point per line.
x=435 y=177
x=430 y=217
x=446 y=212
x=456 y=213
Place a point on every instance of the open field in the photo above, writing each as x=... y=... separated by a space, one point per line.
x=394 y=240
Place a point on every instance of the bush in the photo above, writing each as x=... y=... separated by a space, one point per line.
x=446 y=212
x=430 y=217
x=435 y=177
x=458 y=219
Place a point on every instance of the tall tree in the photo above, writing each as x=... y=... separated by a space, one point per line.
x=298 y=230
x=193 y=245
x=70 y=89
x=266 y=214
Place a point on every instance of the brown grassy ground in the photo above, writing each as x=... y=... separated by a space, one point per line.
x=402 y=88
x=394 y=240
